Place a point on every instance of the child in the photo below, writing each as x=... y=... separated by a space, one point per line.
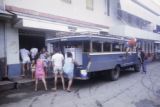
x=43 y=56
x=68 y=69
x=40 y=73
x=33 y=68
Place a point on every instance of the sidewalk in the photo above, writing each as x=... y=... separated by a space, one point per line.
x=7 y=85
x=18 y=83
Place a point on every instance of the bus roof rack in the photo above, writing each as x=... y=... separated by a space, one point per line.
x=86 y=37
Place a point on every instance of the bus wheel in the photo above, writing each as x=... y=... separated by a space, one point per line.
x=114 y=73
x=136 y=68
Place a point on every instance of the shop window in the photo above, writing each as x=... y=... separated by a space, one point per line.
x=86 y=46
x=67 y=1
x=89 y=4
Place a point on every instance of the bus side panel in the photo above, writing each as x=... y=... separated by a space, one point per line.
x=104 y=62
x=130 y=59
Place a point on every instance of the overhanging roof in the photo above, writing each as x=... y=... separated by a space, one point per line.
x=4 y=15
x=28 y=22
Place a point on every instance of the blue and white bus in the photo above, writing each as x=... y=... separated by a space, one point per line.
x=95 y=53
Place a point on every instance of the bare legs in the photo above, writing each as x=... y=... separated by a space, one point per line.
x=69 y=85
x=36 y=83
x=44 y=83
x=33 y=74
x=55 y=80
x=46 y=72
x=62 y=78
x=25 y=70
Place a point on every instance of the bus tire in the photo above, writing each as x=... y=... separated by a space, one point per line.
x=115 y=73
x=136 y=68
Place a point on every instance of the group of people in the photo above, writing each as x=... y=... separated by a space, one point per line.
x=39 y=63
x=28 y=58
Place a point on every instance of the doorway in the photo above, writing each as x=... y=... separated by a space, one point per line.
x=29 y=39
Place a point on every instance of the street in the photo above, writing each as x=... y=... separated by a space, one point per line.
x=131 y=90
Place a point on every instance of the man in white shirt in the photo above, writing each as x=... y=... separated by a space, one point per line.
x=34 y=52
x=25 y=59
x=58 y=61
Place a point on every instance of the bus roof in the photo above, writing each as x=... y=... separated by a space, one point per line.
x=108 y=38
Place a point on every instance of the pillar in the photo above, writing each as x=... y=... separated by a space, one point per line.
x=12 y=50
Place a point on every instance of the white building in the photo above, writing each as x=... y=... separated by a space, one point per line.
x=138 y=19
x=35 y=20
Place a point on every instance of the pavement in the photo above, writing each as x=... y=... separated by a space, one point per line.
x=18 y=83
x=131 y=90
x=6 y=85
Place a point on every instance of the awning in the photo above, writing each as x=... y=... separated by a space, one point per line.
x=132 y=32
x=27 y=22
x=4 y=15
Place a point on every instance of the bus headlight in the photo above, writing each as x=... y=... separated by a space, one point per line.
x=83 y=73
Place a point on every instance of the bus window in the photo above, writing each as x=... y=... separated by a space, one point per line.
x=107 y=47
x=123 y=47
x=96 y=47
x=116 y=47
x=86 y=47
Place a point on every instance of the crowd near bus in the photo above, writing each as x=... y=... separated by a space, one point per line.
x=40 y=63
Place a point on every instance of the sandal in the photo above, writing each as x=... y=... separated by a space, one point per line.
x=54 y=89
x=68 y=90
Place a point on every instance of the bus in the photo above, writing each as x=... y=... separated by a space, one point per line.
x=96 y=54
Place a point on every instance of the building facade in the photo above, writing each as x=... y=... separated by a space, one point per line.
x=139 y=19
x=33 y=21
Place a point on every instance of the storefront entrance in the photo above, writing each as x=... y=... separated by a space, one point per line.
x=29 y=39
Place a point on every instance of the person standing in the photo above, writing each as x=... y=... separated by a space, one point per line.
x=33 y=68
x=43 y=56
x=142 y=59
x=57 y=62
x=34 y=52
x=69 y=69
x=40 y=74
x=130 y=45
x=25 y=60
